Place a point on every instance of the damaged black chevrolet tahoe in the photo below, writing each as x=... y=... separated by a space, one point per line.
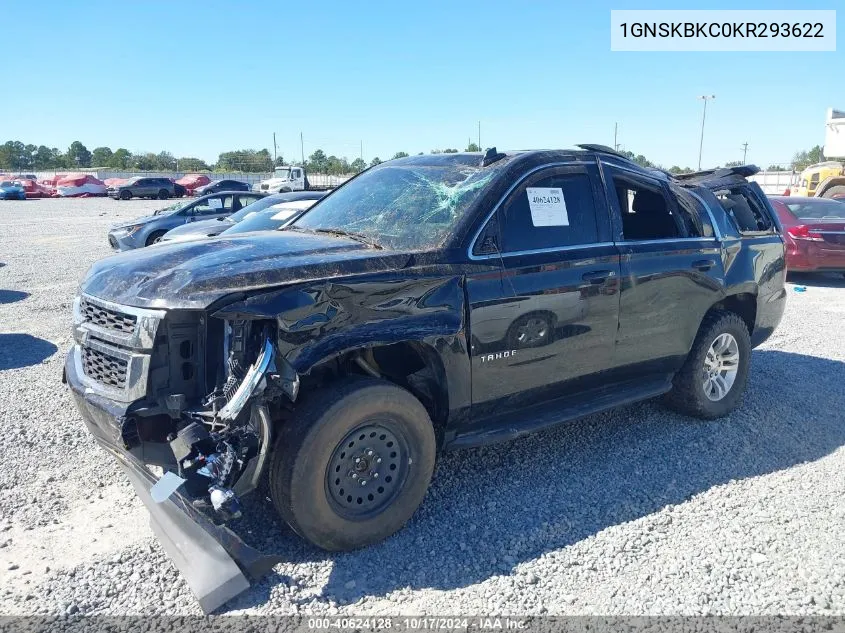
x=432 y=302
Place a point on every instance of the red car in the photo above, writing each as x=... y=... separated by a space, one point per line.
x=814 y=230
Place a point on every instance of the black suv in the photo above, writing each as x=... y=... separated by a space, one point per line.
x=161 y=188
x=432 y=302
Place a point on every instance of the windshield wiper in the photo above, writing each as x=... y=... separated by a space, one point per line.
x=358 y=237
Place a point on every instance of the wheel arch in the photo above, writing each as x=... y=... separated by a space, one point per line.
x=828 y=183
x=743 y=304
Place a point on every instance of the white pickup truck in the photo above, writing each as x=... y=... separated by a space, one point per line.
x=285 y=178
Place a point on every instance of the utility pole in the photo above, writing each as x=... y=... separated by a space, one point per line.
x=744 y=151
x=479 y=136
x=615 y=130
x=302 y=148
x=275 y=148
x=705 y=98
x=362 y=150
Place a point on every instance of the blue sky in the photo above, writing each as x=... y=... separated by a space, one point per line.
x=200 y=78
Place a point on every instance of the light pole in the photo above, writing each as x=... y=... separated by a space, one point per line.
x=705 y=98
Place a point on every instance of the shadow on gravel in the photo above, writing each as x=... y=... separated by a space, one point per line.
x=23 y=350
x=818 y=280
x=490 y=509
x=12 y=296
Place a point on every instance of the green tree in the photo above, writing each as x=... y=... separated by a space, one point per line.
x=78 y=155
x=400 y=155
x=101 y=156
x=120 y=159
x=450 y=151
x=144 y=162
x=734 y=163
x=43 y=158
x=472 y=147
x=357 y=166
x=674 y=169
x=192 y=164
x=280 y=160
x=318 y=162
x=13 y=156
x=776 y=168
x=375 y=161
x=248 y=160
x=806 y=158
x=639 y=159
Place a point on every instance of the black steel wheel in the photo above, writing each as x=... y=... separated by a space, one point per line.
x=353 y=464
x=367 y=470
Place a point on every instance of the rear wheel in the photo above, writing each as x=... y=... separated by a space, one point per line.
x=353 y=465
x=530 y=330
x=712 y=380
x=125 y=195
x=163 y=194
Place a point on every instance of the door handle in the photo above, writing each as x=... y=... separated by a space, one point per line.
x=597 y=277
x=703 y=264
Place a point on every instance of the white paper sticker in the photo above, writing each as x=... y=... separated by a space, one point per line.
x=548 y=208
x=215 y=203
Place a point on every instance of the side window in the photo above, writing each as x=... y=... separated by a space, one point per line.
x=143 y=182
x=550 y=211
x=744 y=210
x=296 y=174
x=228 y=201
x=211 y=206
x=244 y=201
x=645 y=210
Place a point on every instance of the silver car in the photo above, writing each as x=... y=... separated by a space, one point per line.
x=149 y=230
x=209 y=228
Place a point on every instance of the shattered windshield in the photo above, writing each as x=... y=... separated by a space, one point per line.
x=403 y=207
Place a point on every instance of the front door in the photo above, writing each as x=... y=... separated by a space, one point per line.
x=543 y=317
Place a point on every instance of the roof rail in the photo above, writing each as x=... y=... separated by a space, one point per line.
x=720 y=172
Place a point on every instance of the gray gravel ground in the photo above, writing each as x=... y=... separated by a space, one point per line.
x=636 y=511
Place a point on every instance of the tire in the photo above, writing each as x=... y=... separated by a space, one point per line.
x=530 y=330
x=836 y=190
x=154 y=238
x=284 y=190
x=163 y=194
x=312 y=466
x=688 y=394
x=125 y=195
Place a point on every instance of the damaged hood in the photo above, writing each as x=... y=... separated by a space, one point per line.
x=193 y=275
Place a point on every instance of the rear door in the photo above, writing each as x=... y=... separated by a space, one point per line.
x=543 y=317
x=671 y=267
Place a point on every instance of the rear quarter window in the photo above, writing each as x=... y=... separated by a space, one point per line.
x=745 y=210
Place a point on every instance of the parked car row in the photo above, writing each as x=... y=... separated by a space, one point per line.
x=208 y=216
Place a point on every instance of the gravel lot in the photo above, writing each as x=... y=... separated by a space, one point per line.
x=636 y=511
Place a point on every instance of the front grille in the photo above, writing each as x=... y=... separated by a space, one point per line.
x=104 y=368
x=107 y=318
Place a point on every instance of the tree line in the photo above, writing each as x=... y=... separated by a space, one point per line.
x=20 y=157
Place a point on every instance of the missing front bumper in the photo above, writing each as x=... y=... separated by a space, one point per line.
x=217 y=564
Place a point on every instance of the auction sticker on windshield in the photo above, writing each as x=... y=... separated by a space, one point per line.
x=548 y=208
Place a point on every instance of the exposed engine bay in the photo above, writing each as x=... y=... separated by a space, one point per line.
x=220 y=447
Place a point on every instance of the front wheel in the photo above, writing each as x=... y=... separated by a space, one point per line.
x=712 y=380
x=353 y=464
